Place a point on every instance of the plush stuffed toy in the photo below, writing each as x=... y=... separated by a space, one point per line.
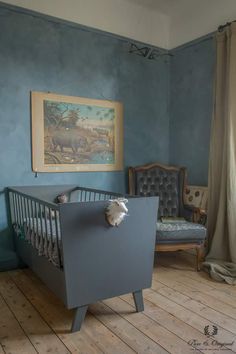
x=116 y=211
x=62 y=198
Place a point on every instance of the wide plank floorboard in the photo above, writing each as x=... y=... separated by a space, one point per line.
x=11 y=333
x=93 y=337
x=1 y=350
x=183 y=330
x=178 y=284
x=179 y=307
x=40 y=334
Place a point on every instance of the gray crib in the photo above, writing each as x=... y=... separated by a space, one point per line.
x=75 y=252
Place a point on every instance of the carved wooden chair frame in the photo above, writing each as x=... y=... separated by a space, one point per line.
x=198 y=247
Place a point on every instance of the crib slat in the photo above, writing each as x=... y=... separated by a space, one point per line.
x=88 y=196
x=20 y=211
x=17 y=210
x=25 y=211
x=14 y=207
x=45 y=222
x=41 y=236
x=37 y=236
x=40 y=217
x=25 y=225
x=11 y=207
x=50 y=223
x=57 y=239
x=28 y=219
x=36 y=218
x=32 y=216
x=29 y=215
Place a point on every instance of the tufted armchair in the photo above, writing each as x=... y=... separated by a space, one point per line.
x=169 y=182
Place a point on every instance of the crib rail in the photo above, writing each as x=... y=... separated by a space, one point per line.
x=94 y=195
x=37 y=221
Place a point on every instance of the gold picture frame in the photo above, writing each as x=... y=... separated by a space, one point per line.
x=74 y=134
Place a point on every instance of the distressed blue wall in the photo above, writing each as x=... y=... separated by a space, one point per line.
x=191 y=100
x=40 y=54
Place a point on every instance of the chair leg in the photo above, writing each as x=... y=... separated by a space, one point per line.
x=78 y=318
x=138 y=300
x=199 y=251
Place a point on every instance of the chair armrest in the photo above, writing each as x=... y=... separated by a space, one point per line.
x=194 y=214
x=189 y=212
x=200 y=216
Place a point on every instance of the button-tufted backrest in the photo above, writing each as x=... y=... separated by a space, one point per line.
x=165 y=182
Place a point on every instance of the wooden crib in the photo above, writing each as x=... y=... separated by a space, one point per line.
x=73 y=249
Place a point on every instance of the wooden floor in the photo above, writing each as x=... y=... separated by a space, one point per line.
x=179 y=307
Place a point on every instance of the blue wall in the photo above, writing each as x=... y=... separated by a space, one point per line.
x=41 y=54
x=191 y=100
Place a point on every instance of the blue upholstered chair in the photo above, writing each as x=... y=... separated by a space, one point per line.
x=169 y=182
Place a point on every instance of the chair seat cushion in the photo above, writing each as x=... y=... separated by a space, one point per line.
x=183 y=232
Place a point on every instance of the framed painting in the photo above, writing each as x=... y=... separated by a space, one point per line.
x=76 y=134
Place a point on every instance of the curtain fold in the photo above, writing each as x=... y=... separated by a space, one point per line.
x=221 y=258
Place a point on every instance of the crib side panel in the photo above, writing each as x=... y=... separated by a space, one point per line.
x=51 y=275
x=101 y=261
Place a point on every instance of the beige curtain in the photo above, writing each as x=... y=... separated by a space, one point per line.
x=221 y=259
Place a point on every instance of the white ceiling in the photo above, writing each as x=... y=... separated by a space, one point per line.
x=196 y=18
x=162 y=23
x=123 y=17
x=191 y=19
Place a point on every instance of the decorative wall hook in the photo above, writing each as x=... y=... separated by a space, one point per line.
x=147 y=52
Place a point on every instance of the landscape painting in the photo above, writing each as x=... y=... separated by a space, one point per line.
x=76 y=134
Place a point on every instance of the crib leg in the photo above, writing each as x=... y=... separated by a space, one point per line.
x=78 y=318
x=138 y=300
